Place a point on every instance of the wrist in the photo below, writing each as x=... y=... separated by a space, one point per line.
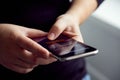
x=69 y=16
x=82 y=9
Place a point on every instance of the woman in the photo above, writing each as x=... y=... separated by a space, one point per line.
x=21 y=58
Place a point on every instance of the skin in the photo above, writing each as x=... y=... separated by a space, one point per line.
x=23 y=53
x=18 y=52
x=70 y=21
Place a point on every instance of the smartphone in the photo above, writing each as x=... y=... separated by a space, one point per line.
x=65 y=48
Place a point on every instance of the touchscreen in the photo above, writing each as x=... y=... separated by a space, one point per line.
x=64 y=46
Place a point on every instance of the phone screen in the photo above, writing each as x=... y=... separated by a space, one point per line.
x=66 y=48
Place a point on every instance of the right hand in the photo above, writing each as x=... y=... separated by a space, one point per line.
x=18 y=52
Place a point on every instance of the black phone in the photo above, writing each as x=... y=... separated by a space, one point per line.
x=65 y=48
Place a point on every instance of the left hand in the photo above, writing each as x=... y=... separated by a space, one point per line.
x=65 y=24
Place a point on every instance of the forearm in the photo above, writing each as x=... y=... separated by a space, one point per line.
x=81 y=9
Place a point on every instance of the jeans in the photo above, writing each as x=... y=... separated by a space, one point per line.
x=87 y=77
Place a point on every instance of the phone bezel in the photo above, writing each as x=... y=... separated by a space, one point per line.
x=76 y=56
x=85 y=54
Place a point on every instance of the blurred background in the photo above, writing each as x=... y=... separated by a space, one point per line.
x=102 y=30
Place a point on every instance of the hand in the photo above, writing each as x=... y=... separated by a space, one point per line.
x=18 y=52
x=66 y=24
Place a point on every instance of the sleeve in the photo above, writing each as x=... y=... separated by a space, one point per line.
x=99 y=2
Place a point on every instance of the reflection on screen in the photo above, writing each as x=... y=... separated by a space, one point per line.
x=63 y=46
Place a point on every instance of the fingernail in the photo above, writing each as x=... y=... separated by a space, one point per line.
x=54 y=59
x=51 y=36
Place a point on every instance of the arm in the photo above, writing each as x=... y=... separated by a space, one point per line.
x=81 y=9
x=69 y=22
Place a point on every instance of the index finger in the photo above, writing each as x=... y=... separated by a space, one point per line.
x=32 y=46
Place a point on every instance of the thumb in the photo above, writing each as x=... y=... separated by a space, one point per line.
x=55 y=31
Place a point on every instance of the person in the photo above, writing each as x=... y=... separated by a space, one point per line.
x=21 y=58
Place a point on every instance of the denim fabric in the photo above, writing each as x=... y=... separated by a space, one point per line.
x=87 y=77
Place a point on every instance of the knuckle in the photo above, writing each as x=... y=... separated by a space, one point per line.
x=56 y=26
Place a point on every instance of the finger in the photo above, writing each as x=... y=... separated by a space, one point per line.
x=74 y=32
x=69 y=33
x=75 y=36
x=32 y=46
x=18 y=68
x=56 y=30
x=42 y=61
x=79 y=38
x=34 y=33
x=26 y=61
x=27 y=57
x=19 y=53
x=24 y=64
